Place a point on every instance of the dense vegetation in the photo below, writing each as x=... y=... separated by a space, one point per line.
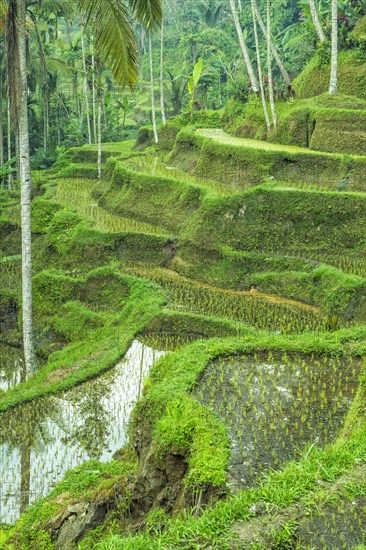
x=199 y=276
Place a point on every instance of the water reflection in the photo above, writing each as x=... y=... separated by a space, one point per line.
x=42 y=439
x=11 y=367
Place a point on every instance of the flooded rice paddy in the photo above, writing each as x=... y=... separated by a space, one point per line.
x=12 y=370
x=276 y=406
x=42 y=439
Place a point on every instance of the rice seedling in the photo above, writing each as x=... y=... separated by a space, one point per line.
x=255 y=309
x=280 y=407
x=354 y=265
x=166 y=342
x=77 y=192
x=338 y=523
x=10 y=274
x=51 y=435
x=154 y=166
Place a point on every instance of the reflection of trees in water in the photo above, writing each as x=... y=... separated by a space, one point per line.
x=58 y=432
x=11 y=366
x=24 y=427
x=88 y=426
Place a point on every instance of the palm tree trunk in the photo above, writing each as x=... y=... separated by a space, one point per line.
x=99 y=136
x=315 y=18
x=93 y=88
x=10 y=176
x=85 y=89
x=1 y=122
x=153 y=114
x=333 y=83
x=74 y=71
x=162 y=74
x=269 y=63
x=26 y=189
x=45 y=118
x=244 y=50
x=285 y=75
x=264 y=104
x=99 y=116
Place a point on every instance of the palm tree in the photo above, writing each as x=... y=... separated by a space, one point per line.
x=153 y=113
x=285 y=75
x=243 y=47
x=85 y=89
x=117 y=46
x=269 y=65
x=17 y=77
x=315 y=18
x=259 y=64
x=333 y=82
x=162 y=106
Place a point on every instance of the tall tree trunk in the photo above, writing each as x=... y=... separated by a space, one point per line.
x=85 y=90
x=99 y=117
x=285 y=75
x=26 y=189
x=333 y=82
x=315 y=18
x=263 y=97
x=244 y=50
x=10 y=176
x=269 y=65
x=74 y=71
x=93 y=88
x=99 y=135
x=162 y=75
x=153 y=114
x=58 y=123
x=45 y=118
x=1 y=121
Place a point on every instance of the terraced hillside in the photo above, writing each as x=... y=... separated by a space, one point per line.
x=244 y=262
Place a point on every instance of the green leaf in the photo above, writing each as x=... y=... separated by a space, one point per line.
x=148 y=12
x=190 y=85
x=197 y=71
x=115 y=40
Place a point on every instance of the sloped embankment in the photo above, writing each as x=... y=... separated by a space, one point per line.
x=182 y=444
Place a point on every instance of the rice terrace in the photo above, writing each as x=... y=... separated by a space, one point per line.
x=183 y=275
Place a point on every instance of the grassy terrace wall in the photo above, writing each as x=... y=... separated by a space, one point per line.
x=334 y=125
x=156 y=200
x=253 y=224
x=169 y=422
x=245 y=166
x=242 y=239
x=314 y=79
x=90 y=317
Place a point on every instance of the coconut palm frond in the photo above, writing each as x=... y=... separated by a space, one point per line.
x=58 y=66
x=148 y=12
x=114 y=37
x=3 y=8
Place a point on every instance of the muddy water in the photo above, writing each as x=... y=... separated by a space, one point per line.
x=42 y=439
x=275 y=407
